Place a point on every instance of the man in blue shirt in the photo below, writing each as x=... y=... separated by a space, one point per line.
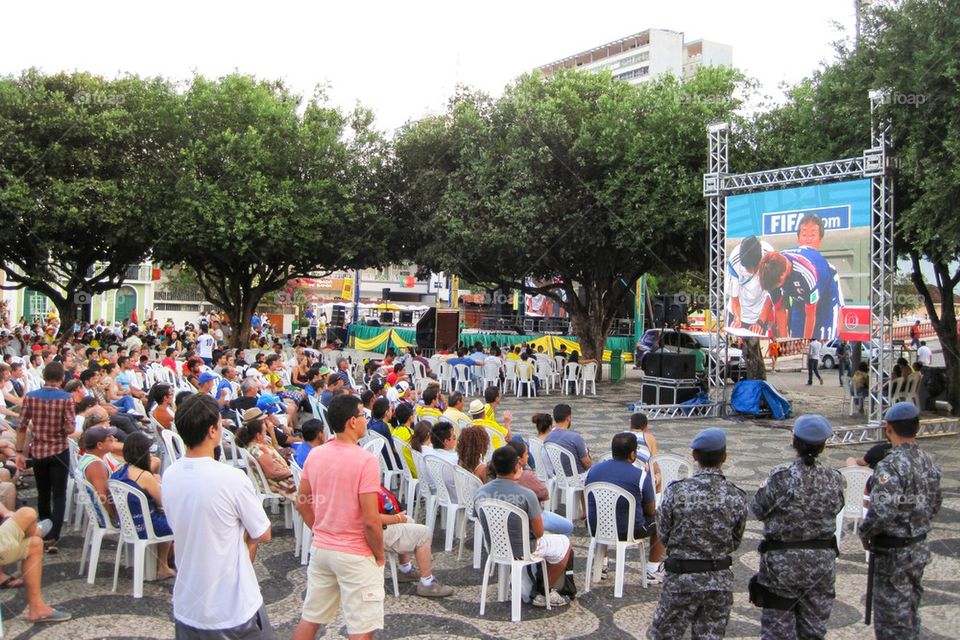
x=622 y=472
x=312 y=431
x=380 y=415
x=569 y=440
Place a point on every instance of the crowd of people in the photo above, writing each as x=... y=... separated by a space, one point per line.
x=300 y=413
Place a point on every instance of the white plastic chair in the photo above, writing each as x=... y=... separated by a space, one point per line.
x=98 y=526
x=570 y=485
x=524 y=381
x=494 y=516
x=605 y=533
x=467 y=486
x=121 y=493
x=462 y=380
x=588 y=376
x=855 y=482
x=228 y=443
x=419 y=370
x=509 y=373
x=438 y=471
x=409 y=486
x=394 y=471
x=571 y=376
x=545 y=373
x=856 y=402
x=262 y=487
x=73 y=489
x=539 y=456
x=420 y=467
x=445 y=375
x=173 y=446
x=491 y=373
x=668 y=468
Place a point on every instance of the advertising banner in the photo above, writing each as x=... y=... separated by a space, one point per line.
x=795 y=258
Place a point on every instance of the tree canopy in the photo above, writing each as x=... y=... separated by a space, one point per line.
x=571 y=186
x=83 y=179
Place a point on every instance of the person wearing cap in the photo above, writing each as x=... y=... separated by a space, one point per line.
x=400 y=394
x=905 y=496
x=700 y=520
x=798 y=505
x=206 y=381
x=96 y=443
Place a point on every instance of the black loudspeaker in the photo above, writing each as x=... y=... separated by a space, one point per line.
x=426 y=328
x=652 y=394
x=677 y=309
x=385 y=294
x=336 y=333
x=339 y=316
x=386 y=317
x=666 y=364
x=406 y=317
x=659 y=310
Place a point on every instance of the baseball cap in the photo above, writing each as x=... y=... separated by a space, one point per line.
x=95 y=435
x=269 y=404
x=205 y=377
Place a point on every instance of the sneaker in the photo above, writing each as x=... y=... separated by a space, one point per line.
x=45 y=526
x=435 y=590
x=654 y=578
x=410 y=576
x=556 y=600
x=821 y=381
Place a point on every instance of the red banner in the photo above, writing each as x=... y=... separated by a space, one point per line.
x=855 y=324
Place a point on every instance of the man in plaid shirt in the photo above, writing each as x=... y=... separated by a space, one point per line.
x=46 y=418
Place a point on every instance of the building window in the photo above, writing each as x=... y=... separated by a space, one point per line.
x=635 y=73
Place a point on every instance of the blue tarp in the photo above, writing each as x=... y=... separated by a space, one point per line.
x=747 y=395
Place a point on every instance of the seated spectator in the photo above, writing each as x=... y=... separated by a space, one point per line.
x=646 y=443
x=431 y=403
x=249 y=389
x=312 y=431
x=160 y=405
x=380 y=416
x=403 y=422
x=472 y=446
x=334 y=384
x=21 y=538
x=454 y=411
x=622 y=472
x=96 y=466
x=569 y=440
x=444 y=443
x=552 y=523
x=477 y=412
x=136 y=473
x=553 y=548
x=367 y=398
x=253 y=436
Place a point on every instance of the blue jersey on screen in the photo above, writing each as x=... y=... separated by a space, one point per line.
x=812 y=281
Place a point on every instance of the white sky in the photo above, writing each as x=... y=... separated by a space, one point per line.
x=402 y=59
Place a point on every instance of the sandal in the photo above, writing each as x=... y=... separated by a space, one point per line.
x=54 y=616
x=12 y=582
x=50 y=546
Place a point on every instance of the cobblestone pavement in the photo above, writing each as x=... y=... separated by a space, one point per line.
x=754 y=447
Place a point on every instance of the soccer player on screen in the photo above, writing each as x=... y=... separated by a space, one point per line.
x=800 y=283
x=750 y=306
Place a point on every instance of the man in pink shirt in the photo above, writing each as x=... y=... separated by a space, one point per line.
x=338 y=500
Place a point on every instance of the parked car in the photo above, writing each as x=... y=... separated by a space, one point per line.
x=684 y=341
x=828 y=353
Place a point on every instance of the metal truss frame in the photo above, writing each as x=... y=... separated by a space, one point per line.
x=718 y=183
x=874 y=432
x=679 y=411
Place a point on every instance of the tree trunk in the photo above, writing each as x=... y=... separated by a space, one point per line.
x=67 y=311
x=753 y=358
x=944 y=322
x=590 y=327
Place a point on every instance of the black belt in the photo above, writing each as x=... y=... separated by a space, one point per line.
x=779 y=545
x=677 y=565
x=894 y=542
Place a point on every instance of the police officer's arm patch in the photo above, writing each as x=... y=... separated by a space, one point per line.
x=883 y=477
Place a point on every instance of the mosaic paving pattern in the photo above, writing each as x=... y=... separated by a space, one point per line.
x=754 y=448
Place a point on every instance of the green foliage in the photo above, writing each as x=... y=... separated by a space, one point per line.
x=83 y=178
x=577 y=181
x=265 y=194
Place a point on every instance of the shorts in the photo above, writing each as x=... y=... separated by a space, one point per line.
x=552 y=548
x=335 y=578
x=405 y=537
x=14 y=545
x=256 y=628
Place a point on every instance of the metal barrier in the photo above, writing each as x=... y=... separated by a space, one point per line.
x=869 y=434
x=679 y=411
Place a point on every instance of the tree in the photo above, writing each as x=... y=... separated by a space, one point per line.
x=266 y=195
x=570 y=186
x=83 y=179
x=908 y=50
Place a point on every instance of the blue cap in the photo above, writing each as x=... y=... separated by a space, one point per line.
x=268 y=403
x=813 y=429
x=206 y=376
x=712 y=439
x=901 y=411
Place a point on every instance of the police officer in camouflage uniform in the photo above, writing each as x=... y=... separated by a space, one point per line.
x=701 y=521
x=798 y=505
x=904 y=498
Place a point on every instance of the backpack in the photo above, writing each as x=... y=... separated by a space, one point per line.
x=567 y=588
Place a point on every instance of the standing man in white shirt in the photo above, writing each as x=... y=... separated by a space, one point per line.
x=924 y=354
x=217 y=523
x=205 y=344
x=813 y=361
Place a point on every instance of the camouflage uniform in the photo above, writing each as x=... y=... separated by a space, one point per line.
x=799 y=502
x=904 y=497
x=700 y=518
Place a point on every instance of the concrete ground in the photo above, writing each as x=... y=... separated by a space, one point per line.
x=754 y=447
